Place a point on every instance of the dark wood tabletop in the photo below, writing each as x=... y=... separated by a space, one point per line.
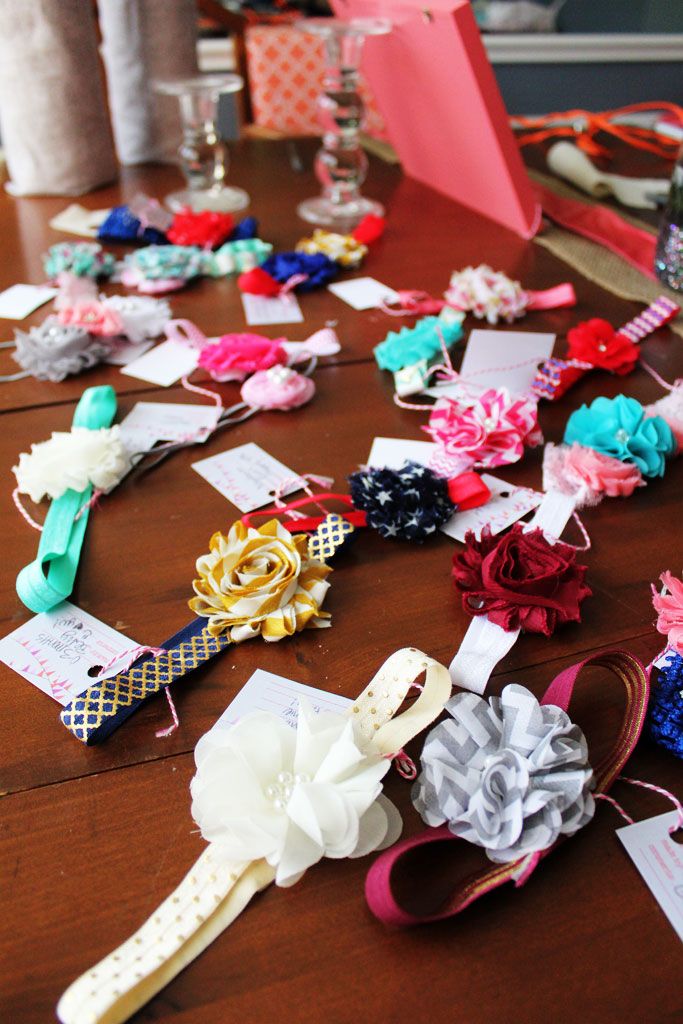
x=93 y=839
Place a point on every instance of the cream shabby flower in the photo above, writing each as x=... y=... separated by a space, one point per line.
x=507 y=774
x=264 y=790
x=259 y=581
x=72 y=460
x=141 y=316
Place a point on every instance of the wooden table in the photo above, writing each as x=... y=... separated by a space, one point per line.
x=94 y=838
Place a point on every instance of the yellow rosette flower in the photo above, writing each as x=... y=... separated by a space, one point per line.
x=343 y=249
x=260 y=581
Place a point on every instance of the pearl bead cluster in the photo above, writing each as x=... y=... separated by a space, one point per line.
x=279 y=792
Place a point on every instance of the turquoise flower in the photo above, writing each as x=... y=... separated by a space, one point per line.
x=618 y=427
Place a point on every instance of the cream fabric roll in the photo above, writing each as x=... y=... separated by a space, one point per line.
x=143 y=40
x=53 y=115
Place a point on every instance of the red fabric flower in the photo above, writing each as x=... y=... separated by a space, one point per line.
x=207 y=229
x=258 y=282
x=369 y=230
x=520 y=580
x=596 y=342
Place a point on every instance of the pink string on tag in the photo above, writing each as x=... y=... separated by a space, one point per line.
x=291 y=283
x=655 y=789
x=162 y=733
x=290 y=481
x=93 y=502
x=128 y=657
x=187 y=333
x=17 y=501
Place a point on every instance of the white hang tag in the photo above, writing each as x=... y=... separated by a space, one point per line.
x=363 y=292
x=149 y=422
x=247 y=476
x=506 y=506
x=265 y=691
x=165 y=364
x=21 y=299
x=62 y=651
x=264 y=309
x=659 y=859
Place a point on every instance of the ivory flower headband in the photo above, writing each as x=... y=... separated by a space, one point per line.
x=271 y=802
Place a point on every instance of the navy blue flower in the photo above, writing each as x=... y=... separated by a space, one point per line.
x=666 y=706
x=121 y=225
x=410 y=503
x=319 y=269
x=246 y=228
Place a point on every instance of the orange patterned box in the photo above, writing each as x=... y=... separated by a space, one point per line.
x=286 y=76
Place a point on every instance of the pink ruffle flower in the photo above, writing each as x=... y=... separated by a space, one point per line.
x=588 y=475
x=669 y=608
x=235 y=356
x=491 y=431
x=277 y=388
x=95 y=317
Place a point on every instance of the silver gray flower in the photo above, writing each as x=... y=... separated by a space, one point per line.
x=507 y=774
x=53 y=351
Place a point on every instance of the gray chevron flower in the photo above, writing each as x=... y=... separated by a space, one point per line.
x=507 y=774
x=53 y=351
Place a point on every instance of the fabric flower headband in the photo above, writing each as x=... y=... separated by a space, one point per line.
x=512 y=776
x=666 y=706
x=610 y=448
x=490 y=295
x=253 y=582
x=85 y=330
x=271 y=802
x=157 y=269
x=594 y=344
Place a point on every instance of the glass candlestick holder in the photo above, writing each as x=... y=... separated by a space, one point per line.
x=341 y=165
x=203 y=154
x=669 y=251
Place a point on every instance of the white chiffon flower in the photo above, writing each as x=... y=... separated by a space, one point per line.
x=265 y=790
x=72 y=460
x=142 y=317
x=508 y=774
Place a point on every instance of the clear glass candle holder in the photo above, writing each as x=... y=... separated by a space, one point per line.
x=341 y=165
x=203 y=154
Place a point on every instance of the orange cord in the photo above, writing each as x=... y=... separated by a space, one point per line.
x=588 y=124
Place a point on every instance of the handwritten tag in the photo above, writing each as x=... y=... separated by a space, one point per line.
x=265 y=691
x=61 y=651
x=164 y=365
x=506 y=505
x=659 y=860
x=149 y=422
x=247 y=476
x=498 y=359
x=21 y=299
x=260 y=309
x=363 y=292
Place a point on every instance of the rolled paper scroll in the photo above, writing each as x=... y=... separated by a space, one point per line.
x=346 y=762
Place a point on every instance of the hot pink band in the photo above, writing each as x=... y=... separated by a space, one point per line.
x=378 y=887
x=560 y=297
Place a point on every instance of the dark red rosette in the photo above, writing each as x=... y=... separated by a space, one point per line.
x=207 y=229
x=596 y=342
x=520 y=580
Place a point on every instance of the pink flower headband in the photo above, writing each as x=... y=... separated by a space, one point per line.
x=491 y=295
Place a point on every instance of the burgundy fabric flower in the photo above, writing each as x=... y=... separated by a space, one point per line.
x=520 y=580
x=596 y=342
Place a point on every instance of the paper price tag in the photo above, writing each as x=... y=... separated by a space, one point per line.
x=506 y=506
x=498 y=359
x=164 y=365
x=149 y=422
x=260 y=309
x=21 y=299
x=363 y=292
x=265 y=691
x=659 y=859
x=61 y=651
x=247 y=476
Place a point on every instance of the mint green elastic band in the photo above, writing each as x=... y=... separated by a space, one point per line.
x=50 y=578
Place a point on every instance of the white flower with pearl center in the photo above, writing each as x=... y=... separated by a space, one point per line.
x=292 y=797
